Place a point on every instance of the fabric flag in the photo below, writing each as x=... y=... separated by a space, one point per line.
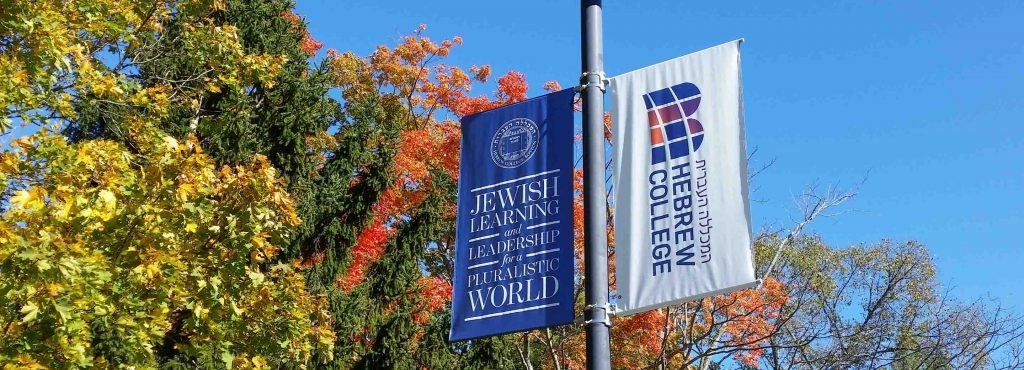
x=682 y=216
x=513 y=235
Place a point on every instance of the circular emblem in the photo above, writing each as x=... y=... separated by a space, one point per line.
x=514 y=143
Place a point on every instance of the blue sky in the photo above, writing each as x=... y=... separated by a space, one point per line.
x=923 y=99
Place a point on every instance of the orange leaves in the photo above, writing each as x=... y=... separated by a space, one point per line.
x=637 y=339
x=577 y=218
x=448 y=154
x=407 y=71
x=308 y=44
x=369 y=248
x=736 y=324
x=436 y=292
x=577 y=102
x=292 y=17
x=480 y=73
x=413 y=156
x=414 y=74
x=424 y=95
x=748 y=318
x=511 y=87
x=748 y=311
x=413 y=71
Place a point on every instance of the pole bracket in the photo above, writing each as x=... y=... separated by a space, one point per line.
x=606 y=319
x=585 y=82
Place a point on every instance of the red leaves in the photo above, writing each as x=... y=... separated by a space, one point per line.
x=437 y=293
x=412 y=160
x=414 y=74
x=308 y=44
x=512 y=88
x=368 y=249
x=638 y=339
x=577 y=218
x=748 y=315
x=577 y=102
x=552 y=86
x=292 y=17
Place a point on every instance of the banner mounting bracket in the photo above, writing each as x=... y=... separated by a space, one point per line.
x=585 y=82
x=606 y=320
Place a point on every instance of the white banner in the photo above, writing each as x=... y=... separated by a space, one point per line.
x=682 y=215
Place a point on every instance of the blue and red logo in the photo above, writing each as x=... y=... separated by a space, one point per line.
x=673 y=133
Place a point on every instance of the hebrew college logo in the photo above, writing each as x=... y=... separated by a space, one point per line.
x=674 y=131
x=514 y=143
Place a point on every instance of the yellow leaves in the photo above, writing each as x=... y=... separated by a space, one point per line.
x=54 y=58
x=264 y=67
x=152 y=270
x=256 y=277
x=322 y=140
x=43 y=265
x=21 y=199
x=182 y=224
x=106 y=205
x=63 y=104
x=106 y=87
x=29 y=312
x=213 y=86
x=29 y=200
x=185 y=191
x=259 y=362
x=261 y=250
x=53 y=289
x=83 y=156
x=244 y=362
x=24 y=142
x=24 y=362
x=129 y=234
x=8 y=163
x=170 y=142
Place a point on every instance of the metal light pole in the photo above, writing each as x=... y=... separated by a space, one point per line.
x=595 y=222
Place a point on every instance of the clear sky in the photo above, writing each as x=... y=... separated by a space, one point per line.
x=924 y=99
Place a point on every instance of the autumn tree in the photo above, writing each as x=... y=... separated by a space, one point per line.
x=879 y=305
x=139 y=250
x=371 y=175
x=400 y=271
x=104 y=251
x=741 y=320
x=867 y=306
x=361 y=170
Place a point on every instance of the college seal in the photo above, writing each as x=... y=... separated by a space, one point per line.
x=514 y=142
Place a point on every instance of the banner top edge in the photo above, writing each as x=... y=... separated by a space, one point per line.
x=518 y=102
x=738 y=42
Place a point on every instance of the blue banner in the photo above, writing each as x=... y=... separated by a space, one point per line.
x=513 y=237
